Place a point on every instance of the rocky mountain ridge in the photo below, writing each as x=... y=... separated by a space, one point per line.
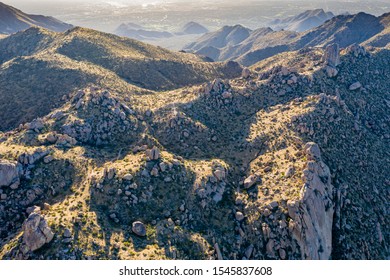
x=78 y=57
x=344 y=30
x=128 y=173
x=302 y=22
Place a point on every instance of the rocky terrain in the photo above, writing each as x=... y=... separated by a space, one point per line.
x=249 y=47
x=115 y=149
x=41 y=68
x=13 y=20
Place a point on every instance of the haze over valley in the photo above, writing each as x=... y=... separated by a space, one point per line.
x=170 y=16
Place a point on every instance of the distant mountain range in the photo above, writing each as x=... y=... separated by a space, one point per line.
x=13 y=20
x=137 y=32
x=302 y=22
x=248 y=47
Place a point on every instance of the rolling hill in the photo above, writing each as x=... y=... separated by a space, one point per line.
x=78 y=57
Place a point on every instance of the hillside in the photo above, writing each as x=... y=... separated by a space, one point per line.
x=13 y=20
x=382 y=38
x=211 y=44
x=289 y=161
x=37 y=64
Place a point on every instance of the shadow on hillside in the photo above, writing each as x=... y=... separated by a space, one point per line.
x=230 y=125
x=37 y=88
x=158 y=207
x=164 y=71
x=359 y=175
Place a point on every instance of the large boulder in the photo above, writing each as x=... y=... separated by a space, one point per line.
x=332 y=55
x=36 y=233
x=9 y=173
x=153 y=154
x=355 y=86
x=332 y=60
x=250 y=181
x=139 y=228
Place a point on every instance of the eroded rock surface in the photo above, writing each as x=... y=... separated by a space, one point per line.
x=312 y=215
x=36 y=233
x=9 y=173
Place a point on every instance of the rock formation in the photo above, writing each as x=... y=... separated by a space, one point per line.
x=312 y=214
x=36 y=233
x=9 y=174
x=332 y=60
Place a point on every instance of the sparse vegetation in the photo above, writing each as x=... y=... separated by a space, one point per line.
x=130 y=151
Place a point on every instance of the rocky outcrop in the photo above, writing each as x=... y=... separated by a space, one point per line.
x=153 y=154
x=34 y=157
x=245 y=73
x=9 y=174
x=36 y=233
x=356 y=50
x=312 y=214
x=84 y=124
x=332 y=60
x=332 y=55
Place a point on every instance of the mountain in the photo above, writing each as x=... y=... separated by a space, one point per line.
x=382 y=38
x=111 y=148
x=343 y=30
x=136 y=32
x=302 y=22
x=78 y=57
x=194 y=28
x=131 y=25
x=284 y=162
x=13 y=20
x=211 y=43
x=256 y=46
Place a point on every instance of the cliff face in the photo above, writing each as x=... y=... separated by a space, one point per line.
x=312 y=214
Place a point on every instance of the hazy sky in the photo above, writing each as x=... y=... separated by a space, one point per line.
x=107 y=15
x=161 y=1
x=130 y=2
